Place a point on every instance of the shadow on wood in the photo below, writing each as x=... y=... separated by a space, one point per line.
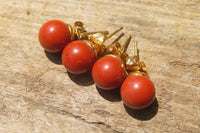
x=110 y=95
x=83 y=79
x=54 y=57
x=143 y=114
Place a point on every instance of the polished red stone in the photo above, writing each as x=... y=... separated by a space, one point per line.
x=54 y=35
x=137 y=92
x=78 y=57
x=108 y=72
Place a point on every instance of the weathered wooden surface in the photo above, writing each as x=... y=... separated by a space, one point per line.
x=38 y=95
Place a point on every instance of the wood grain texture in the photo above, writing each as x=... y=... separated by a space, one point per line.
x=38 y=95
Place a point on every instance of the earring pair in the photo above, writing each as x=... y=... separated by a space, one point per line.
x=54 y=35
x=79 y=47
x=118 y=69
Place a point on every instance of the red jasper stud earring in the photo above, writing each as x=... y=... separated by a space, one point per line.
x=137 y=90
x=79 y=56
x=109 y=71
x=54 y=35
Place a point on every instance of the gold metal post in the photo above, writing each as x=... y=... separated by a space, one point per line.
x=125 y=45
x=98 y=38
x=102 y=32
x=136 y=48
x=114 y=33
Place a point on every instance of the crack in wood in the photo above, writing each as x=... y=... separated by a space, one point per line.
x=52 y=109
x=178 y=63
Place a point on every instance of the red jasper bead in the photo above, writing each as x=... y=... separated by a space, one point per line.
x=108 y=72
x=54 y=35
x=137 y=91
x=78 y=57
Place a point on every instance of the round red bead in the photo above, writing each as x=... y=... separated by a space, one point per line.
x=108 y=72
x=78 y=57
x=137 y=91
x=54 y=35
